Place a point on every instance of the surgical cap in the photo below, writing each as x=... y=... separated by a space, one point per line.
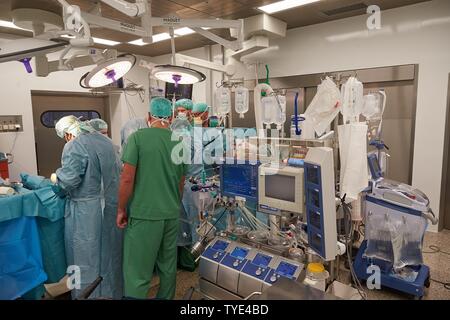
x=200 y=107
x=68 y=124
x=184 y=103
x=160 y=107
x=98 y=124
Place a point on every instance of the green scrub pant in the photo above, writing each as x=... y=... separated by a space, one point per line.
x=149 y=244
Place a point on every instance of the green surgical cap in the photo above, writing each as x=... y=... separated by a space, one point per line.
x=200 y=107
x=160 y=107
x=98 y=124
x=185 y=103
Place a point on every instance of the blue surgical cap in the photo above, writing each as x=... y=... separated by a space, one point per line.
x=160 y=107
x=200 y=107
x=185 y=103
x=98 y=124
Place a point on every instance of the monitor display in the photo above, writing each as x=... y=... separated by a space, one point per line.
x=286 y=269
x=239 y=253
x=280 y=187
x=183 y=91
x=220 y=245
x=262 y=260
x=239 y=180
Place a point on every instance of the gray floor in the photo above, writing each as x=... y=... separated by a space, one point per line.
x=439 y=264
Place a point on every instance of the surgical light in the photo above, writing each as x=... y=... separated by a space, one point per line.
x=177 y=75
x=108 y=72
x=284 y=5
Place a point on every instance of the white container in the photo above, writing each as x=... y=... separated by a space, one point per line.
x=267 y=112
x=279 y=114
x=241 y=100
x=223 y=101
x=316 y=279
x=343 y=291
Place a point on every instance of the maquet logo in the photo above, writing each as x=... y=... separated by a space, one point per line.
x=171 y=20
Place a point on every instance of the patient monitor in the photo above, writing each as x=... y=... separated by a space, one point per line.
x=280 y=189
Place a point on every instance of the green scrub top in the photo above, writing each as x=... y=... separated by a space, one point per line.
x=156 y=193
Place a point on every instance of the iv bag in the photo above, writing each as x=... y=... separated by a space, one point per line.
x=352 y=100
x=372 y=106
x=268 y=105
x=279 y=114
x=223 y=101
x=241 y=100
x=324 y=107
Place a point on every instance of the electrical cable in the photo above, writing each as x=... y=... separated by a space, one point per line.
x=436 y=249
x=348 y=241
x=14 y=143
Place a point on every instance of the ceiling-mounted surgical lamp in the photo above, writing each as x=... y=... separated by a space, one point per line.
x=175 y=74
x=108 y=72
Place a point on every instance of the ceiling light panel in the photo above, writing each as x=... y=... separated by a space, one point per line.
x=284 y=5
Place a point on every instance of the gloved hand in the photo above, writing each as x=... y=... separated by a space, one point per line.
x=58 y=191
x=54 y=178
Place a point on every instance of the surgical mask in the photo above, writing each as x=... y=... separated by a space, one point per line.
x=181 y=124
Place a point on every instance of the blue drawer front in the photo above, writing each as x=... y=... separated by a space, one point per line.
x=213 y=254
x=251 y=270
x=228 y=261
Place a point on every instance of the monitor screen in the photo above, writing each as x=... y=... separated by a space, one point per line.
x=240 y=180
x=183 y=91
x=239 y=253
x=220 y=245
x=262 y=260
x=280 y=187
x=286 y=269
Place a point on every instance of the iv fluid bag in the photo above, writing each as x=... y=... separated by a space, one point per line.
x=279 y=114
x=352 y=100
x=241 y=100
x=268 y=105
x=223 y=100
x=372 y=106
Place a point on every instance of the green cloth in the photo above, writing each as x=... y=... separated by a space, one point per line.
x=150 y=245
x=156 y=193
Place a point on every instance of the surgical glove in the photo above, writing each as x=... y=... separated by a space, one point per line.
x=54 y=178
x=58 y=191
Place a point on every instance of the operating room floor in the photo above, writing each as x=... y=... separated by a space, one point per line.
x=439 y=265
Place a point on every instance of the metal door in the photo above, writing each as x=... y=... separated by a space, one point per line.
x=444 y=209
x=49 y=108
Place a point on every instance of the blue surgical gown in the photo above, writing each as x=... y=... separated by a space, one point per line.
x=90 y=175
x=189 y=211
x=130 y=127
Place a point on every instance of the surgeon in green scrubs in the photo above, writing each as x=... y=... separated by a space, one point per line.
x=151 y=187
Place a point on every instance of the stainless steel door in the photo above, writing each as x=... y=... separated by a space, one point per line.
x=48 y=145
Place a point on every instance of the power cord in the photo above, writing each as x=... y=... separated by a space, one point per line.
x=436 y=249
x=349 y=229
